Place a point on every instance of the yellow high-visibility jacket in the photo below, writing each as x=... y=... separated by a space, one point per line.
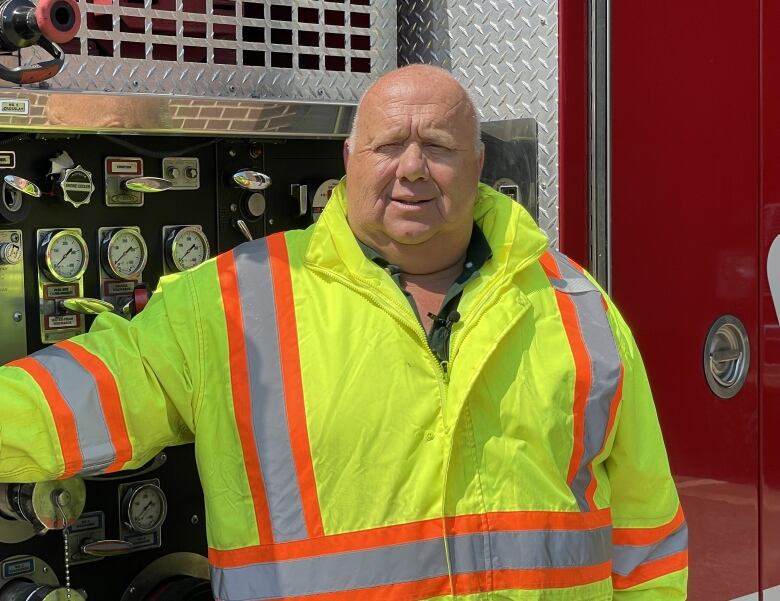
x=340 y=460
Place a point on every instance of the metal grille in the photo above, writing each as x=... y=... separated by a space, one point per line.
x=321 y=50
x=506 y=53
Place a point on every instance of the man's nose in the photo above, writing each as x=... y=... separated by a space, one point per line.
x=412 y=164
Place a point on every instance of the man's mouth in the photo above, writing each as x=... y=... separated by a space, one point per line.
x=410 y=202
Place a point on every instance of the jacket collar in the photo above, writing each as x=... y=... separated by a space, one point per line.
x=515 y=239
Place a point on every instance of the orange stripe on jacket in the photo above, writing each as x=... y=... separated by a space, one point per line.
x=650 y=570
x=648 y=536
x=293 y=384
x=109 y=401
x=64 y=420
x=242 y=403
x=590 y=492
x=411 y=532
x=583 y=379
x=582 y=366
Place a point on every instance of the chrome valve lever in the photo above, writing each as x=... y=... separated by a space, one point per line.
x=24 y=186
x=86 y=306
x=147 y=184
x=242 y=227
x=107 y=548
x=251 y=180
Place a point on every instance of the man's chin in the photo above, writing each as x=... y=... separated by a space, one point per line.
x=411 y=235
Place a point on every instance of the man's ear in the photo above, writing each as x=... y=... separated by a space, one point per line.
x=345 y=153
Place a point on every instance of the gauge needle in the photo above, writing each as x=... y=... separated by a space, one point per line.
x=65 y=256
x=124 y=253
x=188 y=251
x=143 y=511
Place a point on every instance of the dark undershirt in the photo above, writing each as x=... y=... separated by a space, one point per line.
x=477 y=254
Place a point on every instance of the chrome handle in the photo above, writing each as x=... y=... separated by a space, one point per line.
x=147 y=184
x=725 y=356
x=24 y=186
x=107 y=548
x=251 y=180
x=86 y=306
x=242 y=227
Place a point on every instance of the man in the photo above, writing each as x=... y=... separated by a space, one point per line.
x=414 y=398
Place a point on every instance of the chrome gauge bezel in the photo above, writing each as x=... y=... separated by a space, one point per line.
x=128 y=505
x=48 y=263
x=110 y=266
x=176 y=242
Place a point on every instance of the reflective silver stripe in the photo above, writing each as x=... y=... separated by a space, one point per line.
x=605 y=366
x=80 y=391
x=411 y=562
x=628 y=557
x=269 y=413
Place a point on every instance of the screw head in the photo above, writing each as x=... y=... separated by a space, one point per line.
x=18 y=317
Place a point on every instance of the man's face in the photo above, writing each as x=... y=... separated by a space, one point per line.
x=414 y=168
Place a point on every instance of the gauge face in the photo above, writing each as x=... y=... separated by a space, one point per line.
x=125 y=254
x=190 y=248
x=146 y=508
x=66 y=256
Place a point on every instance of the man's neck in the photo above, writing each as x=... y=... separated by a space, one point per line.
x=439 y=254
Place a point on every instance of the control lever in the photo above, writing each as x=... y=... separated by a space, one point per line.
x=147 y=184
x=251 y=180
x=141 y=297
x=22 y=185
x=242 y=227
x=107 y=548
x=86 y=306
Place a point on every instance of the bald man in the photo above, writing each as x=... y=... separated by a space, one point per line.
x=415 y=398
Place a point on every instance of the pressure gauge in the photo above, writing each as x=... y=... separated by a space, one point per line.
x=64 y=255
x=145 y=508
x=186 y=247
x=123 y=252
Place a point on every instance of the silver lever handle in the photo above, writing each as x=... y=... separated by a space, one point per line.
x=242 y=227
x=147 y=184
x=24 y=186
x=251 y=180
x=86 y=306
x=725 y=356
x=107 y=548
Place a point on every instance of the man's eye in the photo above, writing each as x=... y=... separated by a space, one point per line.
x=388 y=147
x=432 y=146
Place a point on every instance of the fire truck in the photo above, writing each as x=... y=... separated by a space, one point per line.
x=145 y=136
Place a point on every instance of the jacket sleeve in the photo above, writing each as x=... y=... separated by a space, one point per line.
x=650 y=537
x=108 y=400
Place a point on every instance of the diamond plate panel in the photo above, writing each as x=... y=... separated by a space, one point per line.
x=506 y=53
x=300 y=50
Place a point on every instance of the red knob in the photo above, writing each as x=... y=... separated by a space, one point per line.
x=58 y=20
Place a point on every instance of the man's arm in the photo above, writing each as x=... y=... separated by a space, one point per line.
x=108 y=400
x=650 y=537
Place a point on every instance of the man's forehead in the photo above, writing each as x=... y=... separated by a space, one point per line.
x=397 y=109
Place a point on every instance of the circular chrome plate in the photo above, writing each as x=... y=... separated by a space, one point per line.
x=726 y=356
